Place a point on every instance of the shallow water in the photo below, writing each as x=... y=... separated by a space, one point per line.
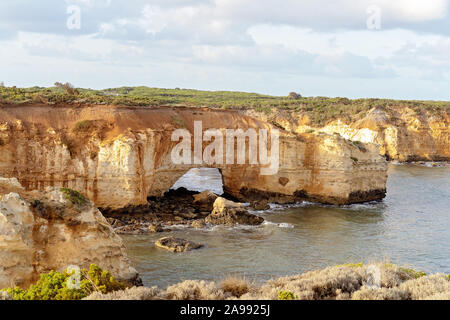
x=411 y=226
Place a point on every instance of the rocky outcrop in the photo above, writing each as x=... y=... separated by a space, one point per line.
x=403 y=134
x=176 y=245
x=205 y=200
x=47 y=231
x=230 y=213
x=119 y=156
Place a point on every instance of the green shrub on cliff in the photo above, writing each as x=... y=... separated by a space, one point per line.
x=56 y=285
x=74 y=196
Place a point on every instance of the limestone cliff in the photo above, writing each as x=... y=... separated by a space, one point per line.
x=403 y=134
x=118 y=156
x=41 y=231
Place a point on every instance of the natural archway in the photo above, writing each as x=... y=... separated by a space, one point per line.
x=201 y=179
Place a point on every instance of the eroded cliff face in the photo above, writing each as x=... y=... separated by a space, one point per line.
x=43 y=231
x=118 y=156
x=401 y=133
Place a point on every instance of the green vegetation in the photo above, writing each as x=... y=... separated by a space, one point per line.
x=83 y=125
x=62 y=286
x=285 y=295
x=354 y=159
x=319 y=109
x=352 y=265
x=178 y=122
x=413 y=273
x=74 y=196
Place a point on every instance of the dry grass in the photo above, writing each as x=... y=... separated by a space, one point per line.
x=235 y=285
x=344 y=282
x=135 y=293
x=194 y=290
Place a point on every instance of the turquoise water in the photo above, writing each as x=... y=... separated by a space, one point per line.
x=411 y=226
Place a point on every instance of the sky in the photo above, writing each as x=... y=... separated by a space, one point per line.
x=348 y=48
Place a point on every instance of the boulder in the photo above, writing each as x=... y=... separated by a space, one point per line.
x=176 y=245
x=205 y=200
x=155 y=227
x=52 y=230
x=198 y=224
x=230 y=213
x=260 y=205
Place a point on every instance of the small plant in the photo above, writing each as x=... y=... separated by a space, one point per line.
x=414 y=273
x=74 y=196
x=178 y=121
x=354 y=159
x=235 y=285
x=83 y=125
x=54 y=285
x=286 y=295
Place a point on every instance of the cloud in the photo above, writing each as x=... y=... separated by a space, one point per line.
x=257 y=44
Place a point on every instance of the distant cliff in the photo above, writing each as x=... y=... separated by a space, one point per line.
x=402 y=133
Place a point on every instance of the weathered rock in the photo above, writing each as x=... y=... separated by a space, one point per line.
x=260 y=205
x=176 y=245
x=47 y=231
x=229 y=213
x=198 y=224
x=155 y=227
x=401 y=133
x=205 y=200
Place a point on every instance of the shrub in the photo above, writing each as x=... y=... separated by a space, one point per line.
x=54 y=285
x=83 y=125
x=235 y=285
x=354 y=159
x=285 y=295
x=294 y=95
x=74 y=196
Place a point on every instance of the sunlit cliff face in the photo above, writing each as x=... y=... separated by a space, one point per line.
x=118 y=156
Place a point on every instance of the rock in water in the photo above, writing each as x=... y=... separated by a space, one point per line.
x=260 y=205
x=176 y=244
x=47 y=231
x=229 y=213
x=155 y=227
x=198 y=224
x=205 y=200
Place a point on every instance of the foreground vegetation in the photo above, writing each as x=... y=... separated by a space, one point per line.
x=65 y=286
x=319 y=109
x=379 y=281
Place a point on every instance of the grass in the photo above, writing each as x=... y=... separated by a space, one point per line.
x=319 y=109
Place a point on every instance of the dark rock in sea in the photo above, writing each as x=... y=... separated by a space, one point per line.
x=230 y=213
x=205 y=200
x=260 y=205
x=176 y=245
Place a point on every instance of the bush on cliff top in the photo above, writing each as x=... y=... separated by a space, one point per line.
x=319 y=109
x=55 y=285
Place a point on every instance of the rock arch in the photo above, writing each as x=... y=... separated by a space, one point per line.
x=118 y=156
